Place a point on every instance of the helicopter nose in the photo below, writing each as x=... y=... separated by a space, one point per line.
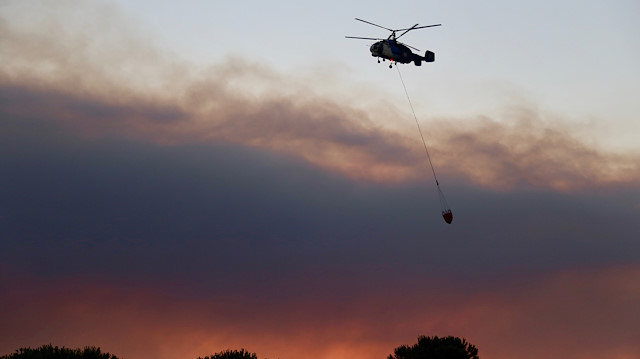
x=375 y=48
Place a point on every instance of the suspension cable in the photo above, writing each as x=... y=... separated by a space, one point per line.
x=446 y=211
x=424 y=143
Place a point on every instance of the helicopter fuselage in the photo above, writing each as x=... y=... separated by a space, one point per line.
x=395 y=51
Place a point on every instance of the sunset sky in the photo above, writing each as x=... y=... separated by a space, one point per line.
x=179 y=178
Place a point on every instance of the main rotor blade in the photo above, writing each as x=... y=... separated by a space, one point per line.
x=362 y=38
x=370 y=23
x=407 y=30
x=419 y=27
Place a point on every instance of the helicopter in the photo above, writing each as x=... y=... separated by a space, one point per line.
x=395 y=51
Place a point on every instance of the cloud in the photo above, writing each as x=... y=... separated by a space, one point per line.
x=525 y=149
x=140 y=91
x=122 y=166
x=137 y=201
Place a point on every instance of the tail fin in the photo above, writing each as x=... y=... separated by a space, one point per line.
x=429 y=56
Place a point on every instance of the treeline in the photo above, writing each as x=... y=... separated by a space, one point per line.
x=426 y=348
x=51 y=352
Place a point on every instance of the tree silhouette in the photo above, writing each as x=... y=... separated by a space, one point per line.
x=51 y=352
x=232 y=354
x=437 y=348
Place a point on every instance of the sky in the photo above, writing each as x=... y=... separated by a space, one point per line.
x=183 y=178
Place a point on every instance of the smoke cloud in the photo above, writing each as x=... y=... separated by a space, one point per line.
x=186 y=210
